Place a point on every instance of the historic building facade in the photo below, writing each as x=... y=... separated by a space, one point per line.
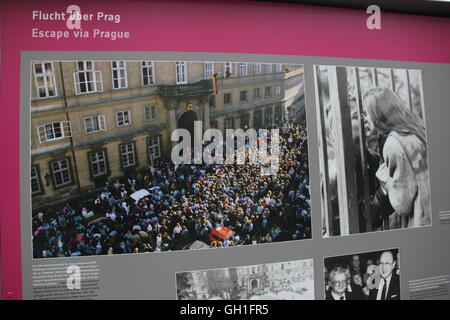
x=243 y=282
x=92 y=121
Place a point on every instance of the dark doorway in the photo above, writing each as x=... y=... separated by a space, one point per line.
x=100 y=182
x=186 y=121
x=254 y=284
x=257 y=123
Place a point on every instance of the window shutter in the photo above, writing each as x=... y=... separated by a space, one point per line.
x=88 y=124
x=66 y=129
x=102 y=122
x=153 y=73
x=76 y=80
x=98 y=81
x=41 y=134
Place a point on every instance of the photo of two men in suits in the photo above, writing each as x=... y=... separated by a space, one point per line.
x=364 y=276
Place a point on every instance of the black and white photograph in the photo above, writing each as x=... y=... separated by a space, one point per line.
x=373 y=151
x=363 y=276
x=291 y=280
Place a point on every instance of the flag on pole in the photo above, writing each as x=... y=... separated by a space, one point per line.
x=214 y=79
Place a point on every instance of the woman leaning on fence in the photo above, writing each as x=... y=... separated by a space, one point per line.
x=403 y=175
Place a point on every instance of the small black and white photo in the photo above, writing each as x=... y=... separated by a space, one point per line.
x=291 y=280
x=373 y=150
x=363 y=276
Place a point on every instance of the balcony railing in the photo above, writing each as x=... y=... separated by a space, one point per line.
x=178 y=90
x=252 y=78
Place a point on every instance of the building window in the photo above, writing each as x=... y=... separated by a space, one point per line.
x=95 y=124
x=257 y=68
x=127 y=155
x=257 y=119
x=227 y=98
x=181 y=72
x=243 y=96
x=87 y=80
x=278 y=113
x=150 y=113
x=243 y=69
x=214 y=124
x=268 y=115
x=245 y=120
x=119 y=74
x=279 y=67
x=154 y=148
x=268 y=67
x=35 y=181
x=228 y=123
x=61 y=172
x=98 y=163
x=278 y=90
x=148 y=74
x=44 y=77
x=123 y=118
x=228 y=69
x=54 y=131
x=268 y=92
x=209 y=69
x=257 y=93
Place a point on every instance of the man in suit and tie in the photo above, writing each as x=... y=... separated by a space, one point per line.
x=389 y=285
x=338 y=282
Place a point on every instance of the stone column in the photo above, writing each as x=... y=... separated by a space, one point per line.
x=250 y=118
x=237 y=120
x=220 y=125
x=273 y=114
x=206 y=120
x=172 y=122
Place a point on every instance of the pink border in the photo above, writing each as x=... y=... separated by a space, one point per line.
x=194 y=26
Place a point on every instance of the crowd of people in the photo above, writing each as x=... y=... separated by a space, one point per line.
x=184 y=203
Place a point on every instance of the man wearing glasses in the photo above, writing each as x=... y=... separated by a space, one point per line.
x=338 y=282
x=389 y=285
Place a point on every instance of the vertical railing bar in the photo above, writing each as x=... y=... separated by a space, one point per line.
x=346 y=163
x=391 y=73
x=362 y=150
x=375 y=74
x=408 y=88
x=326 y=205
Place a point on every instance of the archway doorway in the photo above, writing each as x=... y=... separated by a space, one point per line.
x=254 y=285
x=186 y=121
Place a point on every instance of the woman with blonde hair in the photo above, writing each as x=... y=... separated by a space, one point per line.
x=403 y=175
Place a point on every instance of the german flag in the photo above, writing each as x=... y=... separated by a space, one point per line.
x=214 y=79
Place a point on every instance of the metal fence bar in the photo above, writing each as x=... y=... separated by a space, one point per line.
x=391 y=76
x=362 y=150
x=323 y=157
x=348 y=206
x=408 y=88
x=375 y=76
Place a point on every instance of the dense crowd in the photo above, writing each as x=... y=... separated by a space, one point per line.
x=184 y=204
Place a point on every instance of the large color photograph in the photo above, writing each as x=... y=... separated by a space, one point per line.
x=373 y=149
x=151 y=156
